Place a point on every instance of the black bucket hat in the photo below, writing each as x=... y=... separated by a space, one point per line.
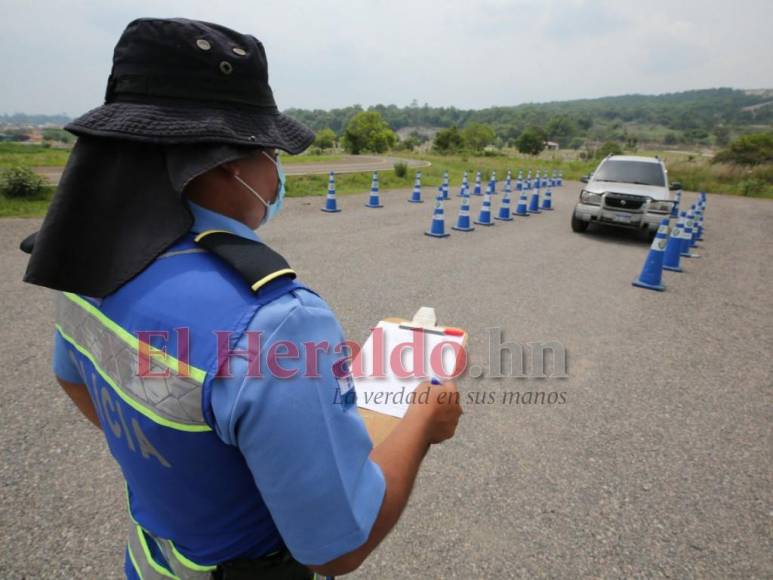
x=179 y=81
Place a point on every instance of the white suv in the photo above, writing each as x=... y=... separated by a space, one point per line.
x=625 y=191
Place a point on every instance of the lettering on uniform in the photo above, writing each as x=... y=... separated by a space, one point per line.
x=107 y=402
x=146 y=447
x=119 y=429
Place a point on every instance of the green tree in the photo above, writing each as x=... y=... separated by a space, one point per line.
x=721 y=135
x=448 y=140
x=531 y=141
x=367 y=131
x=753 y=149
x=477 y=136
x=561 y=128
x=325 y=139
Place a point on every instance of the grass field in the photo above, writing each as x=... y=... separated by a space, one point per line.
x=26 y=207
x=32 y=155
x=691 y=169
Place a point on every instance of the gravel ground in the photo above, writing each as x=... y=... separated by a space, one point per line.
x=658 y=464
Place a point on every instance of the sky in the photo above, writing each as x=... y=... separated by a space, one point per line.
x=55 y=56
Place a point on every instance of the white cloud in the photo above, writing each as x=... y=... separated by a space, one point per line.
x=474 y=53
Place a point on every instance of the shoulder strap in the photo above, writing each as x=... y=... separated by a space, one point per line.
x=255 y=261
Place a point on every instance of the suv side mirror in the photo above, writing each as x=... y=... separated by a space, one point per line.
x=675 y=185
x=584 y=179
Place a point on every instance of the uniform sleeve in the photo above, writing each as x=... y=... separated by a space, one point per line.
x=305 y=443
x=63 y=366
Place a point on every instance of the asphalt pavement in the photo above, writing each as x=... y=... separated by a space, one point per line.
x=657 y=464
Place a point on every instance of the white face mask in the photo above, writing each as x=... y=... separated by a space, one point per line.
x=272 y=209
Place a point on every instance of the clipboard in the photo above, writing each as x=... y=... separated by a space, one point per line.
x=380 y=425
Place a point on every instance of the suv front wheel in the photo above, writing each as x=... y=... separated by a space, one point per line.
x=578 y=225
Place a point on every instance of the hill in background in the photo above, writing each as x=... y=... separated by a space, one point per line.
x=708 y=117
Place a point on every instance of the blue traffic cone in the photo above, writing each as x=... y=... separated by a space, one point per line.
x=687 y=235
x=465 y=186
x=484 y=218
x=416 y=194
x=463 y=221
x=493 y=183
x=560 y=179
x=477 y=190
x=438 y=228
x=672 y=256
x=702 y=211
x=677 y=201
x=547 y=201
x=695 y=225
x=700 y=225
x=554 y=183
x=504 y=209
x=534 y=202
x=509 y=182
x=374 y=200
x=444 y=186
x=652 y=273
x=520 y=209
x=330 y=203
x=537 y=180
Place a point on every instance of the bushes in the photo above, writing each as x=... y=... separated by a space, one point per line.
x=448 y=141
x=368 y=132
x=754 y=149
x=325 y=139
x=608 y=148
x=752 y=187
x=20 y=182
x=723 y=178
x=401 y=169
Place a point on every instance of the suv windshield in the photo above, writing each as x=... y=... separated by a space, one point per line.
x=640 y=172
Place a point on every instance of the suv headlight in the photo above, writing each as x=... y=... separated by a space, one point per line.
x=590 y=198
x=660 y=206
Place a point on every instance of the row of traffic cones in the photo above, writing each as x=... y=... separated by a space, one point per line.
x=437 y=229
x=668 y=248
x=374 y=200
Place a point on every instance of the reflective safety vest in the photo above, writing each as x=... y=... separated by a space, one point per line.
x=192 y=498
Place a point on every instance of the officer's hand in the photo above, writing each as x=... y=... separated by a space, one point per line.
x=437 y=406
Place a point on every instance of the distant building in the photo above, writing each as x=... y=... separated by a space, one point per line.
x=551 y=146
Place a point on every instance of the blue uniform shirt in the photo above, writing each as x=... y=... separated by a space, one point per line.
x=308 y=453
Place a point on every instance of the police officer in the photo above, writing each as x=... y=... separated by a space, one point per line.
x=185 y=338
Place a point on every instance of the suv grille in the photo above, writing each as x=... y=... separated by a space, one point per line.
x=624 y=201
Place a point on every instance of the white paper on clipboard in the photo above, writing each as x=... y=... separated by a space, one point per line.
x=388 y=394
